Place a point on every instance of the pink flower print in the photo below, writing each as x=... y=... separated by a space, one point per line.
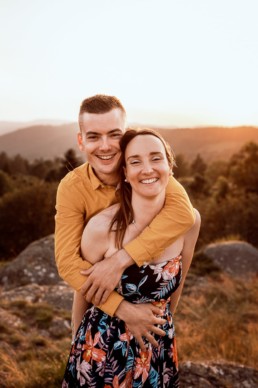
x=171 y=269
x=143 y=365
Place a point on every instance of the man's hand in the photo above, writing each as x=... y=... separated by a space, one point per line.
x=104 y=276
x=141 y=320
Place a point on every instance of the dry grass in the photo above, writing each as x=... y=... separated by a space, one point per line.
x=29 y=356
x=219 y=320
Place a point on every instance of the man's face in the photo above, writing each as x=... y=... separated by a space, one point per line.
x=99 y=141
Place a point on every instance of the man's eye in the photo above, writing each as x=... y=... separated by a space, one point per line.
x=92 y=137
x=117 y=135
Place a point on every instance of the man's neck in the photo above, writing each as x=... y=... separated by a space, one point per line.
x=107 y=180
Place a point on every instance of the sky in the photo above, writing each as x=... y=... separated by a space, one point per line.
x=171 y=62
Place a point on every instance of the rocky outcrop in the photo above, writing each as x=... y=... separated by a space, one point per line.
x=32 y=277
x=36 y=264
x=217 y=374
x=59 y=295
x=236 y=258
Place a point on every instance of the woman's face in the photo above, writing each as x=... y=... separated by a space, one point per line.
x=147 y=169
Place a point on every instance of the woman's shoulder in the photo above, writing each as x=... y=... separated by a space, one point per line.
x=194 y=230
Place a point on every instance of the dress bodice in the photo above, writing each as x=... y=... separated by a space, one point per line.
x=151 y=282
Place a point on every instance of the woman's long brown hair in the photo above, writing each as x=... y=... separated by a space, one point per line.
x=124 y=215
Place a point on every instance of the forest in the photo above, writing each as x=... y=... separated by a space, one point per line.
x=224 y=192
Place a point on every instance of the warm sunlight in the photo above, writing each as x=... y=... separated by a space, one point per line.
x=172 y=63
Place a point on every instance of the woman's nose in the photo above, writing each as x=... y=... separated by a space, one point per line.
x=147 y=168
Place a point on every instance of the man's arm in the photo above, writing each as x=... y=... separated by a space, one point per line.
x=174 y=220
x=68 y=231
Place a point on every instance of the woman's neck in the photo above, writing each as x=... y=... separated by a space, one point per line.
x=146 y=208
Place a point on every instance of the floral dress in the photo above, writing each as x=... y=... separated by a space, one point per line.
x=105 y=354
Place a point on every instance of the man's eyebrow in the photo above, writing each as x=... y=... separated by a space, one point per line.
x=115 y=130
x=91 y=133
x=99 y=134
x=151 y=153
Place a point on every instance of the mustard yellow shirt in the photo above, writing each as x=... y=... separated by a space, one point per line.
x=81 y=195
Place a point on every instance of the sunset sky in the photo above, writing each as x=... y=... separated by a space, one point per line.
x=171 y=62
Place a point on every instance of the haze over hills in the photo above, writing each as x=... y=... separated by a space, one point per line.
x=40 y=141
x=10 y=126
x=49 y=141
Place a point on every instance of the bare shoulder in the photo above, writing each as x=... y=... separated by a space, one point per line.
x=196 y=226
x=197 y=222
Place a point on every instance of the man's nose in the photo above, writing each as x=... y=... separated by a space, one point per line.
x=105 y=144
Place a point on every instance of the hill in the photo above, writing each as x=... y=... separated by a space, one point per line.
x=213 y=143
x=10 y=126
x=40 y=141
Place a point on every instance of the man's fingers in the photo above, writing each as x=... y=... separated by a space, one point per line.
x=159 y=321
x=141 y=343
x=85 y=288
x=104 y=297
x=156 y=310
x=151 y=340
x=90 y=294
x=158 y=331
x=98 y=296
x=87 y=272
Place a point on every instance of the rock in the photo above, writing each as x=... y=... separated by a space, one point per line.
x=59 y=295
x=236 y=258
x=60 y=328
x=36 y=264
x=217 y=374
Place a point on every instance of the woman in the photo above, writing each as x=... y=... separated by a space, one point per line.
x=105 y=353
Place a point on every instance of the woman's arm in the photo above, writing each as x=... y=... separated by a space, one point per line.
x=187 y=255
x=78 y=310
x=94 y=244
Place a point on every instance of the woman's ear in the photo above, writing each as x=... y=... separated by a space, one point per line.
x=80 y=141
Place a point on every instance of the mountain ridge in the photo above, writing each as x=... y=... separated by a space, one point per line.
x=50 y=141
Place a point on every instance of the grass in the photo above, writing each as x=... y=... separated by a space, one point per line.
x=217 y=319
x=29 y=356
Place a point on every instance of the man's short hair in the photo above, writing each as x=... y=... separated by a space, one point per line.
x=100 y=103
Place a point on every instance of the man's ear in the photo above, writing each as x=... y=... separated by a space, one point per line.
x=80 y=141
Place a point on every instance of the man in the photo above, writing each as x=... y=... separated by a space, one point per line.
x=90 y=188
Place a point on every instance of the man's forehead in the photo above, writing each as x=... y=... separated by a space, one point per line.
x=102 y=122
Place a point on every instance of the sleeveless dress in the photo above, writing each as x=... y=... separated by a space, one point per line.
x=105 y=354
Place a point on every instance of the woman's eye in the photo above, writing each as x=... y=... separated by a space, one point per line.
x=156 y=158
x=135 y=162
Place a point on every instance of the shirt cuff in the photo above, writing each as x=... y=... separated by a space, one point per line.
x=111 y=305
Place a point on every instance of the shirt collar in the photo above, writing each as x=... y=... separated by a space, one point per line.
x=95 y=182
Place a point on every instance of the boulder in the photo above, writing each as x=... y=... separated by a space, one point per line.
x=236 y=258
x=36 y=264
x=59 y=295
x=217 y=374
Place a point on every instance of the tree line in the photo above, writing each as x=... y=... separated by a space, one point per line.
x=225 y=193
